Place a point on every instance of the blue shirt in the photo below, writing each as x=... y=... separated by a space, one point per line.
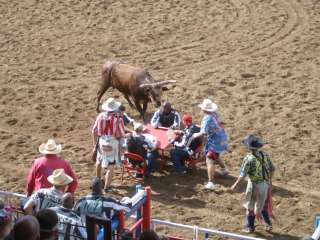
x=217 y=137
x=160 y=119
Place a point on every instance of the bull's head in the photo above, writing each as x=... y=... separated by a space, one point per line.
x=154 y=90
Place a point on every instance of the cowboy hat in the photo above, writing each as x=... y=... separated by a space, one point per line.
x=208 y=106
x=253 y=142
x=59 y=178
x=138 y=126
x=110 y=105
x=50 y=147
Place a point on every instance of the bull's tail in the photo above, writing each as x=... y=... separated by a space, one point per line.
x=106 y=80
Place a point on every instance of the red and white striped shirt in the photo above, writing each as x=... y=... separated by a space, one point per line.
x=110 y=124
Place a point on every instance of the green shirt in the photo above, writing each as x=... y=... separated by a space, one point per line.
x=257 y=168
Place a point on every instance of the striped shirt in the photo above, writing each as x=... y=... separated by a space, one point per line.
x=71 y=226
x=45 y=198
x=110 y=124
x=98 y=205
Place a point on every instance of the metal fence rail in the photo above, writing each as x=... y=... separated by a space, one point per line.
x=196 y=230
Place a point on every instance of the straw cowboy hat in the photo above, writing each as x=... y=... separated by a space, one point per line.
x=110 y=105
x=253 y=142
x=50 y=147
x=138 y=126
x=59 y=178
x=208 y=105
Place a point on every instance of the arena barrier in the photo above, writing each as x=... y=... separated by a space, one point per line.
x=140 y=212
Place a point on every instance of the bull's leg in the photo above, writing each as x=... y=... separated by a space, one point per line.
x=138 y=107
x=144 y=110
x=104 y=87
x=129 y=101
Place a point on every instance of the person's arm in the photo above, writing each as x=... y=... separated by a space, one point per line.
x=155 y=119
x=94 y=131
x=31 y=179
x=71 y=188
x=29 y=205
x=243 y=173
x=177 y=121
x=234 y=186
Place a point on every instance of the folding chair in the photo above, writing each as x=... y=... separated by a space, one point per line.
x=134 y=168
x=195 y=158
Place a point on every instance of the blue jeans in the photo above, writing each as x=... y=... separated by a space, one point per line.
x=151 y=158
x=177 y=156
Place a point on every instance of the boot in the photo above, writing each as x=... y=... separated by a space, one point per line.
x=250 y=224
x=267 y=220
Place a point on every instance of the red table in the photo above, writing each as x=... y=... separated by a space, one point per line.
x=160 y=134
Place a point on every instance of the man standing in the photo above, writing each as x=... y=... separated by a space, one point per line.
x=44 y=166
x=48 y=197
x=217 y=140
x=71 y=225
x=166 y=117
x=108 y=132
x=259 y=168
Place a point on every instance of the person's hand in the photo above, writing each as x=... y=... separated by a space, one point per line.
x=232 y=189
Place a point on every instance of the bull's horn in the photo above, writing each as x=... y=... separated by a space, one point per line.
x=164 y=82
x=145 y=85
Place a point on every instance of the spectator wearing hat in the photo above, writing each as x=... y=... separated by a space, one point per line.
x=71 y=225
x=5 y=221
x=166 y=117
x=48 y=197
x=259 y=169
x=217 y=140
x=108 y=132
x=44 y=166
x=143 y=144
x=97 y=204
x=184 y=144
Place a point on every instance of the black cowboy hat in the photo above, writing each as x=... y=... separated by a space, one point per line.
x=253 y=142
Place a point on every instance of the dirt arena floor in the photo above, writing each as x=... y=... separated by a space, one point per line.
x=257 y=59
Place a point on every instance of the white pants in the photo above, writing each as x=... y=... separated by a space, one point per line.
x=109 y=151
x=256 y=196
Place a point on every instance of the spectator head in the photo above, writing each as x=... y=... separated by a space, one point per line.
x=96 y=186
x=5 y=221
x=48 y=221
x=122 y=108
x=67 y=200
x=149 y=235
x=166 y=106
x=26 y=228
x=138 y=127
x=59 y=178
x=187 y=119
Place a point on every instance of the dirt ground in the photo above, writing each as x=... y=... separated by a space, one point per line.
x=257 y=59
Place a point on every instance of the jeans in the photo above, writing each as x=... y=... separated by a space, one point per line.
x=177 y=157
x=151 y=158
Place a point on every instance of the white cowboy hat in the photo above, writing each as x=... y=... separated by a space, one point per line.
x=208 y=105
x=59 y=178
x=138 y=126
x=110 y=105
x=50 y=147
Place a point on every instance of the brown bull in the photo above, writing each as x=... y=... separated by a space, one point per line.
x=134 y=83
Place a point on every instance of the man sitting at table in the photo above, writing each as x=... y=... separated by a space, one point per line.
x=184 y=144
x=144 y=145
x=166 y=116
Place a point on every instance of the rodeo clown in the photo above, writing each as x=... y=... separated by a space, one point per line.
x=259 y=169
